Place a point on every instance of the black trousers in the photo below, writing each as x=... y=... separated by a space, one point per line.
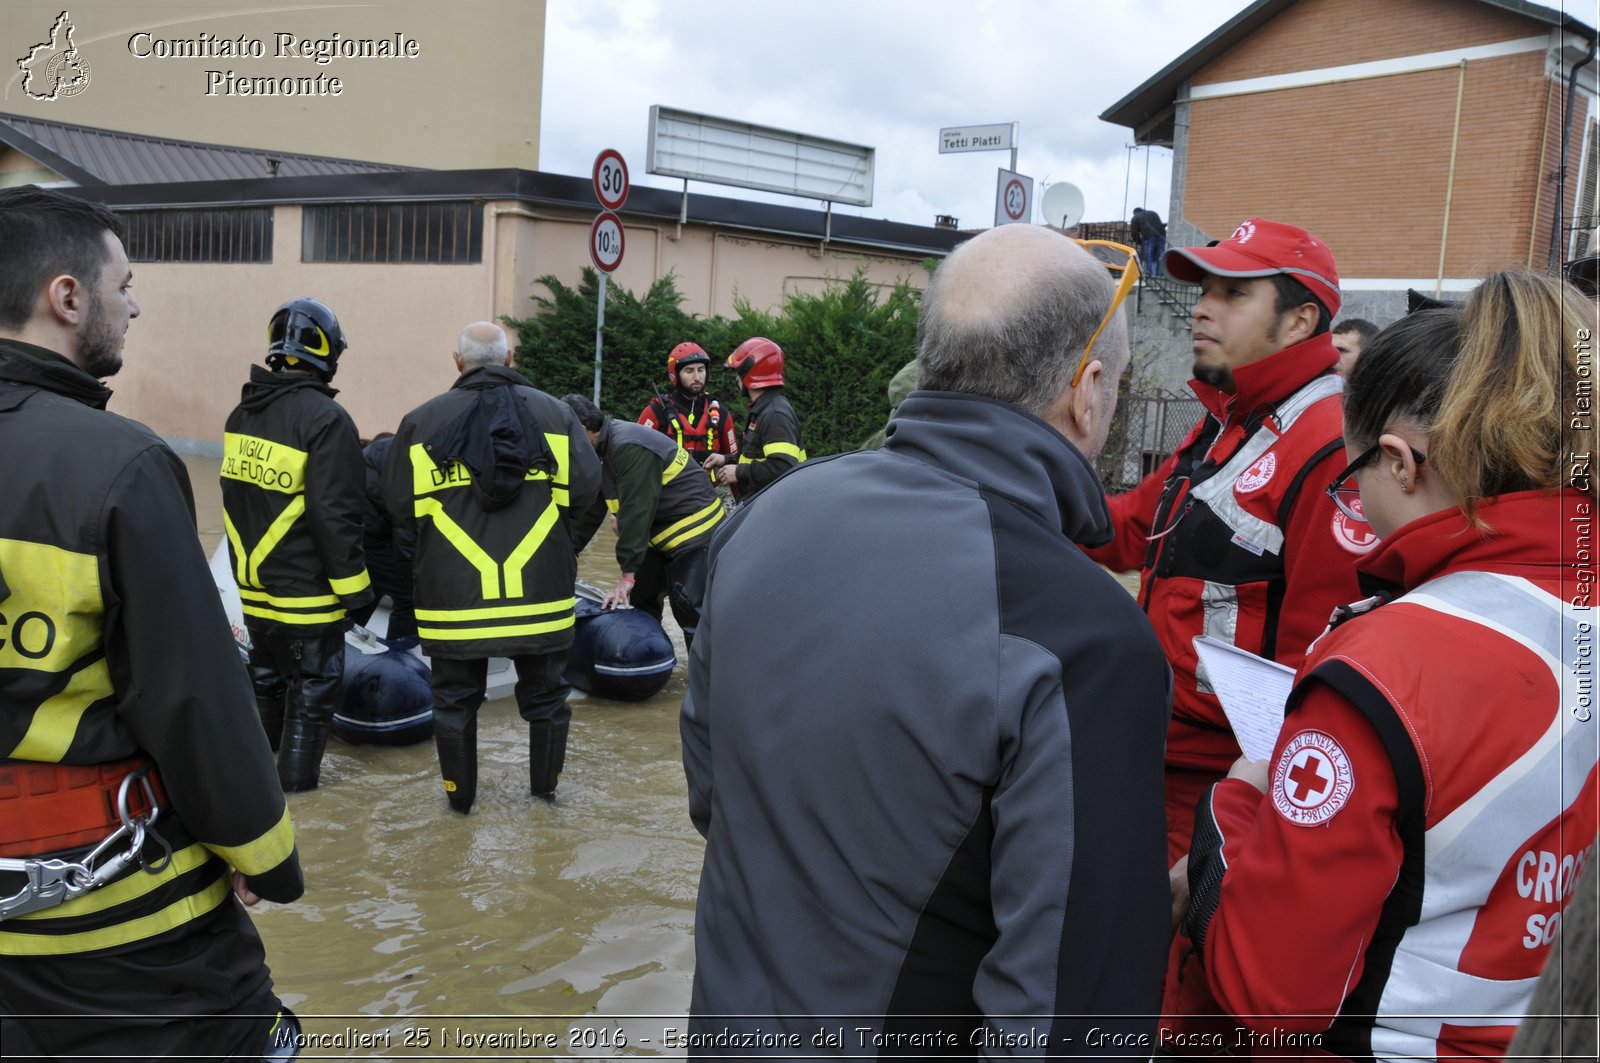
x=308 y=669
x=680 y=579
x=541 y=690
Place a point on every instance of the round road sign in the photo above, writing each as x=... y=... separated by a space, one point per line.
x=605 y=241
x=1016 y=200
x=610 y=179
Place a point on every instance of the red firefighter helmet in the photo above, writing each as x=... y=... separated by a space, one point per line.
x=759 y=363
x=685 y=354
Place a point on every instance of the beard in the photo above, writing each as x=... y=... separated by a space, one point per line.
x=1218 y=376
x=99 y=345
x=697 y=388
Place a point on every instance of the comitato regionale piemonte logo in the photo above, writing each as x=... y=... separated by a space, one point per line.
x=54 y=69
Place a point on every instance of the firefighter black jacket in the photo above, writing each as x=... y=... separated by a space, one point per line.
x=494 y=561
x=292 y=484
x=113 y=644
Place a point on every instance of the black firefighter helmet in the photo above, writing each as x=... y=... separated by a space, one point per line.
x=305 y=330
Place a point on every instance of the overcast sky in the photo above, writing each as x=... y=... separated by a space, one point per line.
x=887 y=74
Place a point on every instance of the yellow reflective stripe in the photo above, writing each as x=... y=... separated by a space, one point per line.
x=51 y=616
x=689 y=526
x=250 y=594
x=613 y=505
x=275 y=533
x=488 y=570
x=427 y=477
x=263 y=463
x=458 y=634
x=56 y=720
x=561 y=496
x=561 y=448
x=128 y=889
x=786 y=449
x=240 y=554
x=351 y=584
x=675 y=466
x=294 y=618
x=264 y=853
x=175 y=914
x=527 y=548
x=497 y=611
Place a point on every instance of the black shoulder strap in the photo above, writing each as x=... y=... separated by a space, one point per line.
x=1351 y=1033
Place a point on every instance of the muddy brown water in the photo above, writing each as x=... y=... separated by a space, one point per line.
x=523 y=930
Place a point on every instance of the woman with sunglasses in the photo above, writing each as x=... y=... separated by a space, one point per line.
x=1389 y=883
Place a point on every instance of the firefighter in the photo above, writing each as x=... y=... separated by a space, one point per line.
x=666 y=511
x=487 y=477
x=772 y=441
x=292 y=485
x=693 y=419
x=138 y=802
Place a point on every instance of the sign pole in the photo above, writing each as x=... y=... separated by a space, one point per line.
x=599 y=323
x=606 y=239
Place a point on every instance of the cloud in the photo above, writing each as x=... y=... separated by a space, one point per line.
x=884 y=73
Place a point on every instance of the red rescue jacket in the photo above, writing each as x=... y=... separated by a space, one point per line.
x=1236 y=538
x=1432 y=798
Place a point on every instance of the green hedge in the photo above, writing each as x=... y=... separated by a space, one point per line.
x=840 y=348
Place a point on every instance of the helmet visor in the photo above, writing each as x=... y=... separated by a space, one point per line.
x=292 y=331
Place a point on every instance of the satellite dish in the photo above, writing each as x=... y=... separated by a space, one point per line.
x=1063 y=205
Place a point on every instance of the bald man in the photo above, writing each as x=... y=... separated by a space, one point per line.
x=923 y=731
x=486 y=478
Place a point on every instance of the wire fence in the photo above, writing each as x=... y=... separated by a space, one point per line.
x=1147 y=428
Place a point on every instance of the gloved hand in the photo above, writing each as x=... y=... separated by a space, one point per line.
x=617 y=597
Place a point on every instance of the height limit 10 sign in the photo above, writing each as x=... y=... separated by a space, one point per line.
x=606 y=241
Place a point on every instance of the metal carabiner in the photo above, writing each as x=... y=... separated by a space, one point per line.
x=143 y=824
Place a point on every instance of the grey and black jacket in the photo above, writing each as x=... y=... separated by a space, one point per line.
x=923 y=740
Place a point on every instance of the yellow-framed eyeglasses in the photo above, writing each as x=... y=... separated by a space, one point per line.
x=1119 y=258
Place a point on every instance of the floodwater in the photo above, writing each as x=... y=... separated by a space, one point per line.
x=521 y=931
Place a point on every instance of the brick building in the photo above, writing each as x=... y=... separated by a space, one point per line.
x=1427 y=141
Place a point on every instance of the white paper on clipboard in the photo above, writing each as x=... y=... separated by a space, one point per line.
x=1252 y=690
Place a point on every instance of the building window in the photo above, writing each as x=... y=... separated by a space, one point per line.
x=241 y=234
x=449 y=232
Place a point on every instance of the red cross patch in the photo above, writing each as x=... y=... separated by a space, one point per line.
x=1258 y=475
x=1357 y=538
x=1312 y=779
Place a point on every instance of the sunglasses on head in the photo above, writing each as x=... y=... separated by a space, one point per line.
x=1121 y=259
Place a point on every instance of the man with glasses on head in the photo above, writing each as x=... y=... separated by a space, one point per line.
x=925 y=751
x=1233 y=535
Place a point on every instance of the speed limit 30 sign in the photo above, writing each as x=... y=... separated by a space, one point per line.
x=610 y=179
x=606 y=241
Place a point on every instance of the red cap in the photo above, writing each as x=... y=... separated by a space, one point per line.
x=1260 y=248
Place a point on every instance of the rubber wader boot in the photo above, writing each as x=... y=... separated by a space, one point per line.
x=271 y=708
x=300 y=758
x=547 y=751
x=458 y=765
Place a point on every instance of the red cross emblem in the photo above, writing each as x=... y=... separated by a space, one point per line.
x=1311 y=779
x=1306 y=780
